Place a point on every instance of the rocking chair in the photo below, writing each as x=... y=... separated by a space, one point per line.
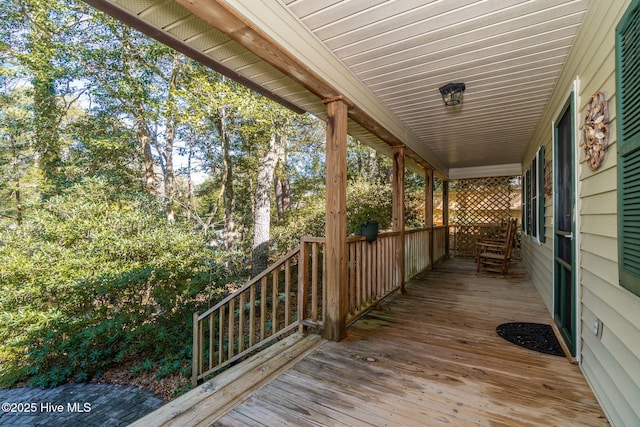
x=495 y=254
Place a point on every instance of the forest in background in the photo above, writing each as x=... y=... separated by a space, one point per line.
x=137 y=187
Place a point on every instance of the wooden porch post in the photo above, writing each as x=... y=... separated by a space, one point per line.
x=445 y=215
x=335 y=321
x=428 y=209
x=398 y=209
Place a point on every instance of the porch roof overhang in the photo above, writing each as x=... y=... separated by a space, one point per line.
x=387 y=59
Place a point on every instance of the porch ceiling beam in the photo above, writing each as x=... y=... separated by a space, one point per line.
x=486 y=171
x=166 y=38
x=268 y=30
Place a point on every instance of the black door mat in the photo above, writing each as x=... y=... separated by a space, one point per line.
x=534 y=336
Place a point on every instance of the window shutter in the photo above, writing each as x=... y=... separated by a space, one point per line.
x=540 y=207
x=527 y=198
x=533 y=200
x=523 y=212
x=628 y=106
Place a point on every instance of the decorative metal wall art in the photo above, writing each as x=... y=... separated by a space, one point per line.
x=596 y=131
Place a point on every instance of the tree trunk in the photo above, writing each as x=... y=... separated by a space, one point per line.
x=144 y=141
x=262 y=212
x=170 y=133
x=227 y=182
x=281 y=181
x=15 y=175
x=190 y=205
x=47 y=140
x=18 y=203
x=40 y=61
x=374 y=170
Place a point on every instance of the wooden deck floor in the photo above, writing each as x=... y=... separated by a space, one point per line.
x=428 y=358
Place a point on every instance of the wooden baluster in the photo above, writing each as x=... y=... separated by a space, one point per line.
x=274 y=300
x=212 y=340
x=416 y=254
x=197 y=353
x=397 y=274
x=381 y=267
x=303 y=285
x=287 y=293
x=314 y=281
x=323 y=284
x=387 y=254
x=220 y=335
x=390 y=250
x=369 y=251
x=376 y=265
x=252 y=315
x=263 y=307
x=241 y=324
x=391 y=247
x=409 y=254
x=232 y=328
x=358 y=262
x=352 y=278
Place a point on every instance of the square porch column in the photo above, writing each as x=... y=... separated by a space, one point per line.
x=398 y=209
x=445 y=215
x=428 y=210
x=336 y=279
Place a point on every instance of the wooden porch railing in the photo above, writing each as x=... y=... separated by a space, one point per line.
x=290 y=295
x=439 y=242
x=416 y=251
x=372 y=272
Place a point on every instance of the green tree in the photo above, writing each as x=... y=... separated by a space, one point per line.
x=97 y=278
x=16 y=156
x=37 y=37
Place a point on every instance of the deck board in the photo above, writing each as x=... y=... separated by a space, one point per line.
x=431 y=357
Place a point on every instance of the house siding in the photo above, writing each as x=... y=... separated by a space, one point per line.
x=610 y=363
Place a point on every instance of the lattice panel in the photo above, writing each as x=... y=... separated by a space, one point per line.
x=482 y=203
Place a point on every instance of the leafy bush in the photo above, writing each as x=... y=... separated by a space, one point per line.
x=366 y=202
x=308 y=219
x=94 y=279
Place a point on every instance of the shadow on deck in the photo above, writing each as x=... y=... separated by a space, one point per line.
x=430 y=357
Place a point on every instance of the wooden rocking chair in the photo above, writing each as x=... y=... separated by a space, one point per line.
x=495 y=254
x=495 y=236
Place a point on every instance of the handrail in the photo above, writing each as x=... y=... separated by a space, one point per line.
x=262 y=310
x=291 y=294
x=251 y=282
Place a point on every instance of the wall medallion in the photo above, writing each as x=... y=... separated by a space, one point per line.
x=596 y=131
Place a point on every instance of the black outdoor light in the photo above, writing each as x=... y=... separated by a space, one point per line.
x=452 y=93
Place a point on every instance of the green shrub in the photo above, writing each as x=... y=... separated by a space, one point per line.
x=94 y=279
x=367 y=203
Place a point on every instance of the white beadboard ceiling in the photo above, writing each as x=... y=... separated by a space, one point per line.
x=389 y=57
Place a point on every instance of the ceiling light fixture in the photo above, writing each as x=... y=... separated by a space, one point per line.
x=452 y=93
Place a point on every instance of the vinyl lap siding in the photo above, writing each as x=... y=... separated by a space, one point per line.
x=611 y=363
x=537 y=258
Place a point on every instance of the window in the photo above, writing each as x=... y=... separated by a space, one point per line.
x=628 y=107
x=533 y=200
